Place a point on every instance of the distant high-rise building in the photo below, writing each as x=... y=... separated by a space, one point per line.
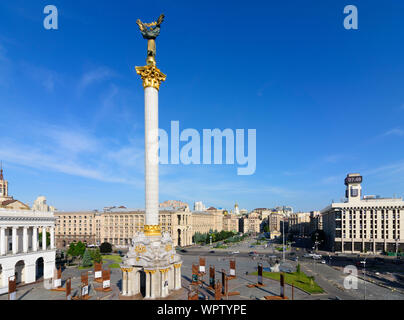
x=199 y=206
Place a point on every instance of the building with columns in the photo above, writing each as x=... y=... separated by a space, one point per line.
x=21 y=253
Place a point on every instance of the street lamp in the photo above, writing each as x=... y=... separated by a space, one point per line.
x=283 y=238
x=364 y=275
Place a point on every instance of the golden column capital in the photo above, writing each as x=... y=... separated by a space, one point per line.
x=177 y=265
x=150 y=271
x=151 y=76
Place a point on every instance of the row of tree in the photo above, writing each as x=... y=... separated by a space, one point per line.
x=216 y=236
x=88 y=256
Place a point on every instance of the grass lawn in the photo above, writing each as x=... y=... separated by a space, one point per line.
x=114 y=258
x=114 y=265
x=84 y=268
x=299 y=280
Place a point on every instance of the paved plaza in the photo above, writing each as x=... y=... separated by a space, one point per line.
x=329 y=278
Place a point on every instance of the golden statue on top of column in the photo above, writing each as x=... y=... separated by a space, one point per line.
x=150 y=32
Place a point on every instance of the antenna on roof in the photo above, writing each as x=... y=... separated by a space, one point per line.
x=1 y=170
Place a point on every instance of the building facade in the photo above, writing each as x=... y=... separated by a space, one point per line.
x=119 y=226
x=21 y=253
x=363 y=224
x=299 y=223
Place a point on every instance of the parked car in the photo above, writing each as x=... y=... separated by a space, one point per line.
x=323 y=261
x=212 y=251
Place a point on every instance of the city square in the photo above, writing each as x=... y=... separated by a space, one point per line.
x=271 y=191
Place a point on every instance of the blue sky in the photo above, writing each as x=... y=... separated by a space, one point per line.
x=325 y=101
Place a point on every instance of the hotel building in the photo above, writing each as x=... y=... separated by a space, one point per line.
x=363 y=224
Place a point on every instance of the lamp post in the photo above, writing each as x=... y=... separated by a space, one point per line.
x=283 y=238
x=364 y=276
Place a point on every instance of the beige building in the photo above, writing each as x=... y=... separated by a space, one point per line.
x=363 y=224
x=299 y=223
x=231 y=223
x=205 y=221
x=250 y=223
x=118 y=226
x=275 y=222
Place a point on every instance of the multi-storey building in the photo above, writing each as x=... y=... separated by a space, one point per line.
x=299 y=223
x=316 y=221
x=118 y=226
x=231 y=223
x=75 y=227
x=363 y=224
x=206 y=221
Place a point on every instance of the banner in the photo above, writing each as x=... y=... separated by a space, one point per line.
x=98 y=274
x=84 y=291
x=57 y=283
x=106 y=284
x=233 y=268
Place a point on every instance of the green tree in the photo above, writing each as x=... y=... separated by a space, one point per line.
x=298 y=268
x=76 y=249
x=105 y=247
x=86 y=262
x=47 y=238
x=80 y=249
x=96 y=255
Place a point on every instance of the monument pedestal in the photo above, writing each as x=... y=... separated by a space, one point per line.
x=151 y=268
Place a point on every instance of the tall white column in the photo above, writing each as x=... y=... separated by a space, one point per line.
x=2 y=241
x=125 y=283
x=25 y=239
x=43 y=238
x=52 y=238
x=148 y=285
x=151 y=156
x=14 y=239
x=35 y=239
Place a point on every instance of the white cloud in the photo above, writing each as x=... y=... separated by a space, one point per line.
x=394 y=132
x=96 y=75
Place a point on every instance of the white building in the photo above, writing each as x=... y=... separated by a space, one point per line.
x=199 y=206
x=21 y=254
x=364 y=224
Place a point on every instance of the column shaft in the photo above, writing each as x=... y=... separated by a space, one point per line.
x=14 y=239
x=52 y=238
x=43 y=238
x=124 y=283
x=25 y=239
x=148 y=285
x=34 y=239
x=151 y=157
x=2 y=241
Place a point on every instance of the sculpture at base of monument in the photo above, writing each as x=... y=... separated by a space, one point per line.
x=150 y=31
